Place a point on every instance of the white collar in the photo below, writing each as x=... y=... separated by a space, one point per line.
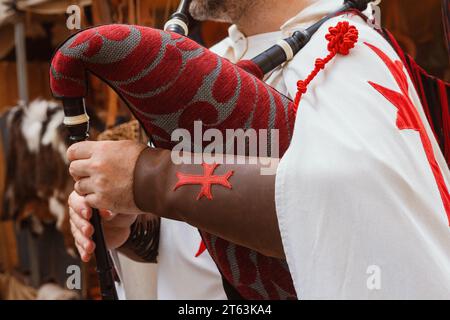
x=246 y=47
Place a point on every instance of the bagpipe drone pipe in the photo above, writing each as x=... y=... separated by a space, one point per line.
x=169 y=81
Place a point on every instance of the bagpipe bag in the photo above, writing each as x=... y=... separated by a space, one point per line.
x=169 y=81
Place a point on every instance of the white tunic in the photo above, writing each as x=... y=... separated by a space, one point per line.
x=182 y=275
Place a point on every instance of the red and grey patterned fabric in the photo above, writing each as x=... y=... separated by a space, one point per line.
x=169 y=81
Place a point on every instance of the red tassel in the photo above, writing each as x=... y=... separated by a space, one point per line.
x=342 y=38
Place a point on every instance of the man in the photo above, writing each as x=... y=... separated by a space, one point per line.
x=359 y=206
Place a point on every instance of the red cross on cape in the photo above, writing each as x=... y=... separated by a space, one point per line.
x=408 y=118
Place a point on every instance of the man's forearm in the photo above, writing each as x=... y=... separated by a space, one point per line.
x=238 y=205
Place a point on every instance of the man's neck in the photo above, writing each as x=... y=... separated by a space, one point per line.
x=269 y=15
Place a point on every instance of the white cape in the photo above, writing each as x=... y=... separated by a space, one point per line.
x=359 y=210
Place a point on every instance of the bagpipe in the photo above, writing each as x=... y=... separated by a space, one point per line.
x=168 y=82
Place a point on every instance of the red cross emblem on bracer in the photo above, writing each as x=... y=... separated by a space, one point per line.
x=207 y=180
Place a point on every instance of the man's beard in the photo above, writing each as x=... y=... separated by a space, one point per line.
x=219 y=10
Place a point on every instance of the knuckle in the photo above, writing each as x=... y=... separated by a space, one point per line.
x=92 y=200
x=79 y=187
x=72 y=216
x=85 y=227
x=69 y=152
x=76 y=220
x=100 y=200
x=74 y=230
x=85 y=213
x=101 y=182
x=73 y=197
x=75 y=234
x=80 y=248
x=96 y=165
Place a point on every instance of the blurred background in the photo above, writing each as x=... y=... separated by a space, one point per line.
x=35 y=242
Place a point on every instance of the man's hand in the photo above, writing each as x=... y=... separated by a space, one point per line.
x=116 y=227
x=104 y=171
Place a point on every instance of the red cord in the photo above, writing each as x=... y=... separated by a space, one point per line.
x=342 y=38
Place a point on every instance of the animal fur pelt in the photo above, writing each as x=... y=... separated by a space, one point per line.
x=37 y=179
x=51 y=291
x=12 y=288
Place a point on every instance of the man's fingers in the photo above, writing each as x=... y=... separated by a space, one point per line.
x=94 y=201
x=81 y=251
x=85 y=257
x=80 y=169
x=82 y=230
x=81 y=224
x=107 y=215
x=87 y=244
x=84 y=187
x=79 y=205
x=80 y=150
x=84 y=245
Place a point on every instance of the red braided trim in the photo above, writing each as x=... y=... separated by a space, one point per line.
x=341 y=39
